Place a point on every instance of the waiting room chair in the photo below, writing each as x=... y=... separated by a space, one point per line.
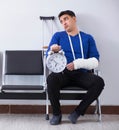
x=76 y=93
x=23 y=72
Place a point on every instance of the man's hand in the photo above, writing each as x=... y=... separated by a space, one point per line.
x=70 y=66
x=55 y=48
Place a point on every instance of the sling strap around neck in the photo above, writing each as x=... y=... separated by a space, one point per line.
x=81 y=46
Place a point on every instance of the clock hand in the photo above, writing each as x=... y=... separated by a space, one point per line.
x=55 y=64
x=55 y=61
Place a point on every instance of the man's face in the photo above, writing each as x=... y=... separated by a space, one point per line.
x=68 y=22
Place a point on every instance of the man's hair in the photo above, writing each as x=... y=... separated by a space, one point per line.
x=68 y=12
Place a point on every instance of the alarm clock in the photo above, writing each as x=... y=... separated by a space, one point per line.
x=56 y=62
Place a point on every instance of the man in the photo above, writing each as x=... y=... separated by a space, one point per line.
x=82 y=55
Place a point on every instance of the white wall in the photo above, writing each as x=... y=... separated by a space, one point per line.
x=20 y=28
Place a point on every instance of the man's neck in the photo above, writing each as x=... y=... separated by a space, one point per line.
x=73 y=32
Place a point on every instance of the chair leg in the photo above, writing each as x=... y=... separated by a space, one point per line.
x=47 y=106
x=98 y=104
x=98 y=109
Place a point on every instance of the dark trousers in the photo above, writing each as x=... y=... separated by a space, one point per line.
x=88 y=81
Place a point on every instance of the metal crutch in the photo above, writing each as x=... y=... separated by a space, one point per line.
x=44 y=18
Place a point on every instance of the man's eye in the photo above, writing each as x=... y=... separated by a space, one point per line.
x=66 y=18
x=61 y=22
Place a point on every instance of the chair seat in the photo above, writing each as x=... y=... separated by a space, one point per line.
x=22 y=88
x=72 y=93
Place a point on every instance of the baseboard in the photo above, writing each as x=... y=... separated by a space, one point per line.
x=40 y=109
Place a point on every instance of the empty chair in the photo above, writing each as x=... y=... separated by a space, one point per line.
x=23 y=72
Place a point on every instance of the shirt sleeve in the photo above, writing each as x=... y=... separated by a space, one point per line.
x=93 y=52
x=54 y=40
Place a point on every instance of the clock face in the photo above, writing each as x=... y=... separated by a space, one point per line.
x=56 y=62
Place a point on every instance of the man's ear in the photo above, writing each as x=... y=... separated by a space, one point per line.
x=74 y=19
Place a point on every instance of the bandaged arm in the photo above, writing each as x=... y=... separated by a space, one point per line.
x=90 y=63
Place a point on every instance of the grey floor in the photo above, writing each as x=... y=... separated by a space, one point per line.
x=38 y=122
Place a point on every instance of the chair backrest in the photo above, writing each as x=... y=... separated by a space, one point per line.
x=22 y=66
x=23 y=62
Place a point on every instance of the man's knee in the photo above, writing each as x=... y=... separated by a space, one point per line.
x=52 y=78
x=100 y=82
